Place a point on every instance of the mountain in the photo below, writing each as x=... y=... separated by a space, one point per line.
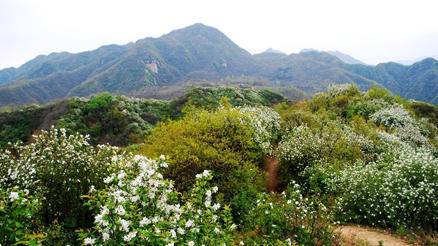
x=201 y=54
x=344 y=57
x=409 y=62
x=270 y=50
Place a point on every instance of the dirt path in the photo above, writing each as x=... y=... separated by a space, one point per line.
x=271 y=166
x=355 y=235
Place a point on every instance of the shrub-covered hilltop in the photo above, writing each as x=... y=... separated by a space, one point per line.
x=218 y=166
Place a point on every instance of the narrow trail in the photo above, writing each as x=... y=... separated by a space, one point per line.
x=355 y=235
x=271 y=166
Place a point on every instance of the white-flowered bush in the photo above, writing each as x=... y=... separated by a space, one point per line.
x=141 y=207
x=303 y=146
x=288 y=217
x=266 y=124
x=406 y=128
x=334 y=90
x=393 y=116
x=401 y=188
x=59 y=168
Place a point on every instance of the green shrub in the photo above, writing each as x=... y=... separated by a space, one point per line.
x=221 y=141
x=19 y=218
x=115 y=119
x=288 y=217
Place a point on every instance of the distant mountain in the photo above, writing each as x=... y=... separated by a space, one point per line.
x=412 y=61
x=200 y=53
x=344 y=57
x=270 y=50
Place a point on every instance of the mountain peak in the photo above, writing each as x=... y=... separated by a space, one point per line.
x=271 y=50
x=345 y=58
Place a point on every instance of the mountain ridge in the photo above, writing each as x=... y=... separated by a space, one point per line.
x=199 y=53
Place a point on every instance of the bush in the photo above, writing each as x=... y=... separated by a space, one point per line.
x=139 y=206
x=288 y=217
x=401 y=189
x=19 y=218
x=223 y=141
x=59 y=168
x=303 y=147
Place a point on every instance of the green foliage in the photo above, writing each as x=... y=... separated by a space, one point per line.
x=288 y=217
x=19 y=218
x=18 y=125
x=115 y=119
x=210 y=98
x=219 y=141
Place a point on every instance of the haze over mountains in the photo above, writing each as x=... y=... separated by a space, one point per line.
x=202 y=53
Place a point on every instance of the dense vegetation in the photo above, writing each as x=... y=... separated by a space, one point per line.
x=196 y=173
x=157 y=67
x=118 y=120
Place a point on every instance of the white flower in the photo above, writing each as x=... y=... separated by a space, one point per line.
x=189 y=223
x=180 y=231
x=125 y=225
x=162 y=157
x=104 y=210
x=89 y=241
x=120 y=210
x=145 y=221
x=208 y=193
x=98 y=219
x=191 y=243
x=215 y=189
x=241 y=243
x=216 y=206
x=105 y=236
x=130 y=236
x=13 y=196
x=121 y=175
x=92 y=189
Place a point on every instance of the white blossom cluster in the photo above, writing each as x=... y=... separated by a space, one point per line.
x=334 y=90
x=142 y=207
x=393 y=116
x=266 y=124
x=404 y=126
x=301 y=144
x=401 y=188
x=57 y=166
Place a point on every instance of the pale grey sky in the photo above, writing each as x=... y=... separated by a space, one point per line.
x=370 y=30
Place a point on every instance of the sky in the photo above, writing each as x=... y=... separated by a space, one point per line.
x=370 y=30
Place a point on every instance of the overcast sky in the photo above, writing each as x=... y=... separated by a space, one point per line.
x=371 y=30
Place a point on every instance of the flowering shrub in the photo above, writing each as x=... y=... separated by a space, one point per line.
x=141 y=207
x=288 y=217
x=302 y=147
x=266 y=124
x=19 y=218
x=335 y=90
x=59 y=168
x=393 y=116
x=399 y=189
